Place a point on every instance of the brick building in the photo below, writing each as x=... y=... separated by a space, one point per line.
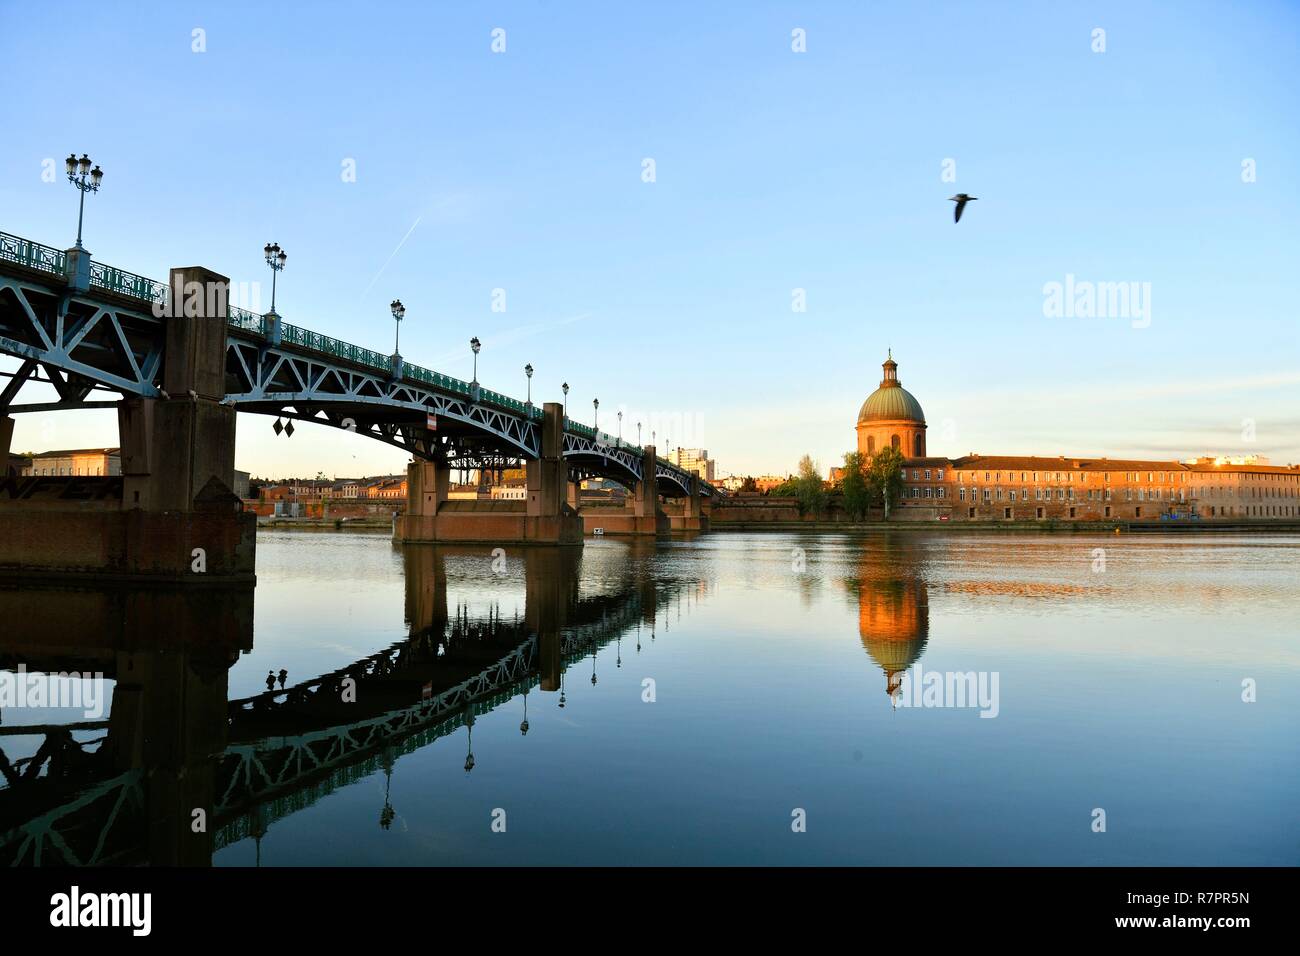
x=1032 y=488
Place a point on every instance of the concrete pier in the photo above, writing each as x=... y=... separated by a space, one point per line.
x=545 y=517
x=171 y=515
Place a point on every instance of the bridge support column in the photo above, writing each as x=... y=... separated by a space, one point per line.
x=573 y=488
x=178 y=517
x=549 y=517
x=690 y=515
x=427 y=483
x=641 y=516
x=6 y=439
x=544 y=518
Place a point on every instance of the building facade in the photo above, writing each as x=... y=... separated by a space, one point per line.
x=1032 y=488
x=695 y=460
x=98 y=462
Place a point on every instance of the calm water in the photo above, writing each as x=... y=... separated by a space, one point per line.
x=771 y=659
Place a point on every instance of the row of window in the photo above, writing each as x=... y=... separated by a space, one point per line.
x=53 y=470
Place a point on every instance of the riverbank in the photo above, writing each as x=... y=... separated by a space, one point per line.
x=1011 y=527
x=384 y=525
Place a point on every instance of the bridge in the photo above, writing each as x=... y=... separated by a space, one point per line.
x=123 y=790
x=177 y=361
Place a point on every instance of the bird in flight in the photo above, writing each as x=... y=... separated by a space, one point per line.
x=961 y=199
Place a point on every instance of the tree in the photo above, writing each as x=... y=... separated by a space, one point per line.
x=885 y=476
x=808 y=487
x=749 y=485
x=854 y=486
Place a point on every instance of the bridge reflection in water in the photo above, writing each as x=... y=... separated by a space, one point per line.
x=177 y=771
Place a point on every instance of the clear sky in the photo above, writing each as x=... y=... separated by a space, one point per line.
x=774 y=170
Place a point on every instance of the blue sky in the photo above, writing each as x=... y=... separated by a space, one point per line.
x=774 y=171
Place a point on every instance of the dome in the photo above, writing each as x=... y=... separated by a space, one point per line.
x=891 y=402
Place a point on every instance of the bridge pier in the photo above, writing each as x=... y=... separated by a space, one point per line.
x=172 y=514
x=6 y=439
x=642 y=516
x=544 y=518
x=690 y=514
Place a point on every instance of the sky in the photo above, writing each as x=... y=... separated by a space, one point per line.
x=739 y=292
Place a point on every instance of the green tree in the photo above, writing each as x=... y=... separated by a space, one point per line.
x=885 y=476
x=854 y=486
x=809 y=488
x=749 y=484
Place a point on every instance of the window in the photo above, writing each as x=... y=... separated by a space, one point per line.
x=1006 y=512
x=871 y=444
x=1038 y=512
x=961 y=493
x=938 y=475
x=927 y=474
x=919 y=444
x=987 y=496
x=893 y=441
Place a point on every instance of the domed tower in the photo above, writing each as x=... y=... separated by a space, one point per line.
x=891 y=417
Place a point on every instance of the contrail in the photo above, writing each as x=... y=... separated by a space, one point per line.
x=393 y=256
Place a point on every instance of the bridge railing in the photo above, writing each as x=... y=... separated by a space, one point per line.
x=111 y=279
x=32 y=255
x=238 y=318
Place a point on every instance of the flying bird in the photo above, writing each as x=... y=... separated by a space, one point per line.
x=961 y=199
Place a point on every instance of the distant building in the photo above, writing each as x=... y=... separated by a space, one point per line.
x=1027 y=487
x=765 y=483
x=733 y=482
x=76 y=461
x=694 y=460
x=389 y=486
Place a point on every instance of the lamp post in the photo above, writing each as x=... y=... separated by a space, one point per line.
x=565 y=389
x=399 y=313
x=620 y=428
x=475 y=345
x=595 y=415
x=528 y=370
x=86 y=180
x=638 y=434
x=275 y=257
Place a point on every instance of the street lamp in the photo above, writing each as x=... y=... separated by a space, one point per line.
x=638 y=434
x=528 y=370
x=78 y=170
x=595 y=415
x=275 y=257
x=565 y=389
x=399 y=313
x=620 y=427
x=475 y=345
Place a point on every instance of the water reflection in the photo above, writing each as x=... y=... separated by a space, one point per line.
x=176 y=771
x=533 y=663
x=893 y=606
x=122 y=789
